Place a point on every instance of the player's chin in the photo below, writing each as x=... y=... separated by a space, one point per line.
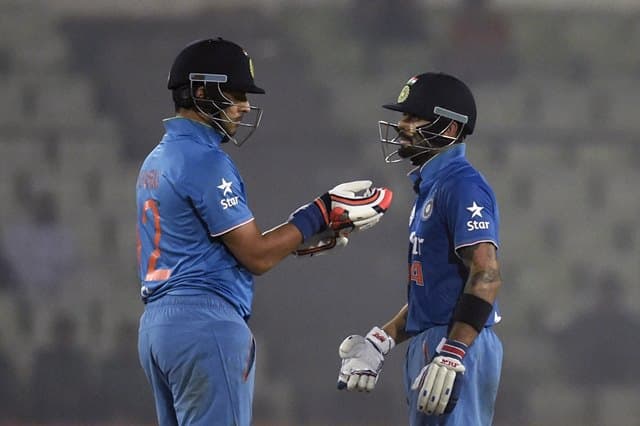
x=231 y=129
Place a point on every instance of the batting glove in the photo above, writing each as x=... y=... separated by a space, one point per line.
x=439 y=381
x=347 y=207
x=362 y=359
x=355 y=206
x=321 y=243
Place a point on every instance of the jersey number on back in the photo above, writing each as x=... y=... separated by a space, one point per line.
x=153 y=274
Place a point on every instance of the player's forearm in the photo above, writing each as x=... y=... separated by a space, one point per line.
x=484 y=282
x=463 y=332
x=396 y=327
x=275 y=244
x=259 y=252
x=484 y=271
x=480 y=292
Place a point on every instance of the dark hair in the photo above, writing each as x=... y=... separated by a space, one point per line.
x=182 y=98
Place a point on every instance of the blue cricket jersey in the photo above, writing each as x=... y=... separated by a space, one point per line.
x=188 y=193
x=455 y=208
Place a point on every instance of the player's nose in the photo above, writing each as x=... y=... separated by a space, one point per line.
x=244 y=106
x=406 y=127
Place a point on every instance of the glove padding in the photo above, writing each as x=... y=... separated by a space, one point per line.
x=362 y=359
x=439 y=381
x=321 y=243
x=354 y=206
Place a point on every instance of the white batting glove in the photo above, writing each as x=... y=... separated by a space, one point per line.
x=355 y=206
x=439 y=381
x=321 y=243
x=362 y=359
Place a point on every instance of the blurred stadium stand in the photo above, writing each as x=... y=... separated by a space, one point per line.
x=557 y=136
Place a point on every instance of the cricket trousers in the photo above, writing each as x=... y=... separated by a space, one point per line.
x=198 y=354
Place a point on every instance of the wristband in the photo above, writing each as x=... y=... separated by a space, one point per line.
x=381 y=340
x=311 y=219
x=472 y=310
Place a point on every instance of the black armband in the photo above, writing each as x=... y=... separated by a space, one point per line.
x=472 y=310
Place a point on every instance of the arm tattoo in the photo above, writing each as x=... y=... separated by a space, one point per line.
x=484 y=269
x=467 y=253
x=485 y=277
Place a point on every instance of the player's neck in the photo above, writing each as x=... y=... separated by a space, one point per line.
x=190 y=114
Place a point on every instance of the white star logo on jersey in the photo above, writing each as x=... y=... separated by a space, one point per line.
x=225 y=187
x=475 y=210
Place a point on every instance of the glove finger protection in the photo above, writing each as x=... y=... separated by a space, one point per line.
x=436 y=395
x=358 y=382
x=366 y=383
x=447 y=383
x=352 y=212
x=364 y=224
x=455 y=394
x=424 y=384
x=350 y=189
x=418 y=382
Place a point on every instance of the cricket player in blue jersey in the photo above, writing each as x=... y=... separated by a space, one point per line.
x=454 y=357
x=199 y=246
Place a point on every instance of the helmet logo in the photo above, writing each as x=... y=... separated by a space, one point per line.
x=251 y=70
x=404 y=94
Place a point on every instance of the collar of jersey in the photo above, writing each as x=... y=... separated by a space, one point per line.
x=429 y=170
x=181 y=126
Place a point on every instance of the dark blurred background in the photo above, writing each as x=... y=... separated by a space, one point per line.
x=84 y=92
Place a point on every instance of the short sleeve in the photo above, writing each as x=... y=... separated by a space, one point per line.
x=220 y=197
x=472 y=213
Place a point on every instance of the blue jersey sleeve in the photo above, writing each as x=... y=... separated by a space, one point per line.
x=472 y=213
x=221 y=199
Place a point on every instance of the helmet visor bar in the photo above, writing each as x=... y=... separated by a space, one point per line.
x=451 y=114
x=207 y=78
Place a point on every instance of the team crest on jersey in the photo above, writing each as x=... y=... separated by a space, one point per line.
x=427 y=209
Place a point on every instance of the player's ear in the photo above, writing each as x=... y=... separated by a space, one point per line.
x=452 y=130
x=199 y=93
